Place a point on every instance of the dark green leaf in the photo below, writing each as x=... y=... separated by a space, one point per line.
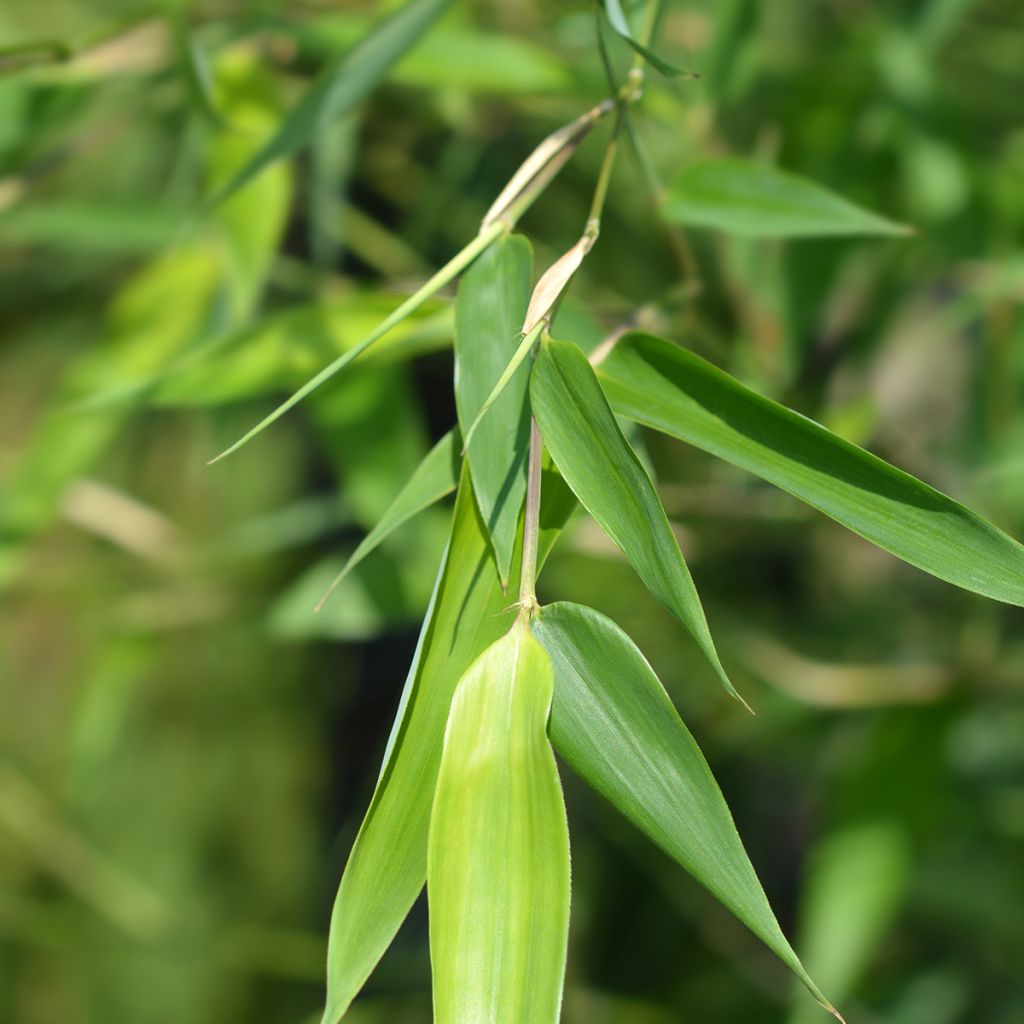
x=342 y=85
x=604 y=473
x=613 y=723
x=665 y=387
x=492 y=299
x=760 y=201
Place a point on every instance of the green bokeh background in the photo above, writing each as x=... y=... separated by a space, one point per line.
x=186 y=750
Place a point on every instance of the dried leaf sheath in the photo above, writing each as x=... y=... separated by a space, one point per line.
x=498 y=862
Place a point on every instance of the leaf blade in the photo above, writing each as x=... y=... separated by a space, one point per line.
x=498 y=868
x=604 y=473
x=756 y=200
x=435 y=477
x=489 y=307
x=669 y=389
x=467 y=613
x=613 y=723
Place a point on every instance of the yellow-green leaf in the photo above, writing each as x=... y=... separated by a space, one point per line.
x=388 y=864
x=498 y=868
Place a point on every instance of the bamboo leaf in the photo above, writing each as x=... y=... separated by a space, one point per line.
x=613 y=723
x=388 y=864
x=605 y=474
x=665 y=387
x=436 y=476
x=617 y=19
x=342 y=85
x=760 y=201
x=450 y=270
x=489 y=308
x=498 y=868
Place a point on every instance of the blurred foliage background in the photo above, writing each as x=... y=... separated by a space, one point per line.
x=186 y=750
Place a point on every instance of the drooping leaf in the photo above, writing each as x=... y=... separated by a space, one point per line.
x=435 y=477
x=498 y=866
x=604 y=472
x=665 y=387
x=760 y=201
x=388 y=864
x=342 y=85
x=489 y=309
x=618 y=21
x=613 y=723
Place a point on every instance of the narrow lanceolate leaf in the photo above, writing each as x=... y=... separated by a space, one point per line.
x=489 y=308
x=436 y=476
x=760 y=201
x=388 y=864
x=665 y=387
x=617 y=19
x=613 y=723
x=342 y=85
x=498 y=868
x=450 y=270
x=603 y=471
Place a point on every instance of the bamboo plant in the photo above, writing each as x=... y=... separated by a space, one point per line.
x=468 y=800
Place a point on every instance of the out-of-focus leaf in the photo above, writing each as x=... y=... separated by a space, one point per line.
x=388 y=863
x=454 y=56
x=760 y=201
x=665 y=387
x=341 y=86
x=617 y=19
x=489 y=308
x=605 y=474
x=614 y=724
x=436 y=476
x=94 y=227
x=498 y=864
x=856 y=881
x=195 y=71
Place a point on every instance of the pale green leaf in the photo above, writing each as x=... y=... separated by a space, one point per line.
x=388 y=864
x=489 y=308
x=342 y=85
x=613 y=723
x=436 y=476
x=760 y=201
x=665 y=387
x=498 y=866
x=605 y=474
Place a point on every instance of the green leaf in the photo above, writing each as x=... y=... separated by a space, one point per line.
x=436 y=476
x=613 y=723
x=760 y=201
x=605 y=474
x=342 y=85
x=665 y=387
x=451 y=269
x=498 y=868
x=388 y=864
x=489 y=309
x=617 y=19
